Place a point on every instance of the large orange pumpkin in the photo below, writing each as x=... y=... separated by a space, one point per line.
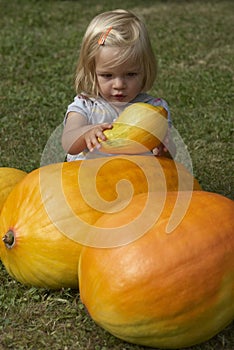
x=45 y=218
x=166 y=290
x=9 y=177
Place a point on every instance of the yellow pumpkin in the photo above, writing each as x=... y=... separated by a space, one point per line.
x=138 y=129
x=46 y=217
x=32 y=249
x=164 y=290
x=9 y=177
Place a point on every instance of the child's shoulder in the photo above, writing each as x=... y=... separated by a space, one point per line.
x=155 y=101
x=84 y=99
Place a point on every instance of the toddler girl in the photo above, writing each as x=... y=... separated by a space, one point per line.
x=116 y=67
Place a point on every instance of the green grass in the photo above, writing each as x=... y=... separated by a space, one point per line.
x=39 y=43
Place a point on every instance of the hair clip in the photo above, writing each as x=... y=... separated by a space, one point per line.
x=103 y=36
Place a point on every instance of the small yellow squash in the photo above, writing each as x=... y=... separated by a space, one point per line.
x=138 y=129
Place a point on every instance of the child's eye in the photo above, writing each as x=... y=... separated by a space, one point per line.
x=105 y=75
x=131 y=74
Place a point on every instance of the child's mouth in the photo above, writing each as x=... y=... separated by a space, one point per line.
x=119 y=97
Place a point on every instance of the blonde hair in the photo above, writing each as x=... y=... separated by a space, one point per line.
x=129 y=34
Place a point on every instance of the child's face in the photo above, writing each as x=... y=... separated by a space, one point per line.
x=117 y=84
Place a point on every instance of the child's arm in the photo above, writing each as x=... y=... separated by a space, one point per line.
x=77 y=135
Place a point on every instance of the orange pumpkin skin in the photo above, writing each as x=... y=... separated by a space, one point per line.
x=165 y=290
x=50 y=211
x=9 y=177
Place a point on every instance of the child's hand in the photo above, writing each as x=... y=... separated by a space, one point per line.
x=165 y=149
x=91 y=136
x=160 y=150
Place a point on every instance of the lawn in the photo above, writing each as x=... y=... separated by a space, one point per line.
x=39 y=43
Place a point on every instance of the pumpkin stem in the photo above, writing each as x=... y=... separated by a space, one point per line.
x=9 y=239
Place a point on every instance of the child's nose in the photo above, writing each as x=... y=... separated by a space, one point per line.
x=119 y=83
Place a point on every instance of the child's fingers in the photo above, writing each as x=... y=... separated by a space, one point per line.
x=155 y=151
x=96 y=134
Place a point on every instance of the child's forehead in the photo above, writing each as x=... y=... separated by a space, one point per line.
x=113 y=57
